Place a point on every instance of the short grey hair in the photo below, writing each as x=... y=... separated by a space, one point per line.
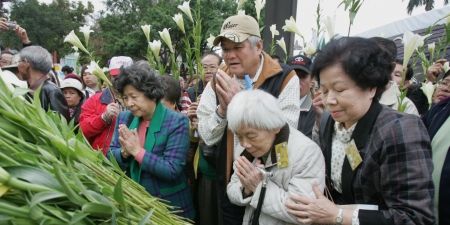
x=254 y=40
x=256 y=109
x=38 y=57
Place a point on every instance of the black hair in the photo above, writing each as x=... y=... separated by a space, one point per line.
x=213 y=54
x=67 y=69
x=409 y=69
x=361 y=59
x=142 y=77
x=83 y=69
x=172 y=89
x=387 y=45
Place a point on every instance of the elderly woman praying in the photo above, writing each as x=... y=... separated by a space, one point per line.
x=278 y=160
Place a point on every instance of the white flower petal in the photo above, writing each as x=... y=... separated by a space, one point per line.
x=146 y=29
x=274 y=31
x=165 y=36
x=186 y=10
x=282 y=45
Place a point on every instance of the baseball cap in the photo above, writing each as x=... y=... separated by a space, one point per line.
x=238 y=28
x=72 y=83
x=117 y=62
x=14 y=62
x=300 y=62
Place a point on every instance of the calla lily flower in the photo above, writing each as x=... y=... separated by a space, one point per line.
x=98 y=72
x=155 y=47
x=428 y=90
x=446 y=67
x=431 y=47
x=186 y=10
x=310 y=50
x=210 y=41
x=282 y=45
x=240 y=4
x=178 y=18
x=165 y=36
x=329 y=26
x=411 y=42
x=73 y=39
x=241 y=12
x=291 y=26
x=259 y=4
x=274 y=31
x=86 y=30
x=146 y=30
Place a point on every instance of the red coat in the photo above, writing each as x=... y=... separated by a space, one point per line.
x=97 y=131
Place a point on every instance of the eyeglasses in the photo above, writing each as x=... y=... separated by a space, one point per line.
x=444 y=83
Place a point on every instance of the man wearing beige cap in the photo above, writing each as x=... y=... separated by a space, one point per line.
x=247 y=67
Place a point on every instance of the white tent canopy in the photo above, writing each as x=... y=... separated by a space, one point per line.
x=412 y=23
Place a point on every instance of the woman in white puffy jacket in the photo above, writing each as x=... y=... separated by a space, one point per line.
x=278 y=160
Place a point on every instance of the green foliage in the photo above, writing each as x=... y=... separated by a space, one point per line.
x=46 y=25
x=119 y=32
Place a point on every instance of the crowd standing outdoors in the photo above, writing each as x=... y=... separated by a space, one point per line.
x=256 y=141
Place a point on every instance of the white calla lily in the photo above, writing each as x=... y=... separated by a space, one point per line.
x=428 y=90
x=86 y=30
x=240 y=4
x=178 y=18
x=259 y=4
x=155 y=47
x=73 y=39
x=282 y=45
x=165 y=36
x=274 y=31
x=186 y=9
x=431 y=47
x=291 y=26
x=446 y=67
x=411 y=42
x=99 y=73
x=310 y=50
x=210 y=41
x=146 y=30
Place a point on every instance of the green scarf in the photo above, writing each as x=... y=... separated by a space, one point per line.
x=155 y=126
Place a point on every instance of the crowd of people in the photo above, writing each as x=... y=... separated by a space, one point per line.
x=258 y=141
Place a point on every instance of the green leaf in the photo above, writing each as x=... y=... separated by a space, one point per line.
x=45 y=196
x=98 y=209
x=34 y=175
x=118 y=193
x=78 y=217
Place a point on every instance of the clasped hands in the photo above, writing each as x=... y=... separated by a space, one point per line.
x=249 y=175
x=129 y=140
x=226 y=87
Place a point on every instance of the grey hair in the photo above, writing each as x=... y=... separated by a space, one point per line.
x=253 y=40
x=38 y=57
x=256 y=109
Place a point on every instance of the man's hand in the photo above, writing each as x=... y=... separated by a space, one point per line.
x=226 y=88
x=22 y=34
x=434 y=70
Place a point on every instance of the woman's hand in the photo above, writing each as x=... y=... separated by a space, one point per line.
x=129 y=140
x=308 y=210
x=248 y=174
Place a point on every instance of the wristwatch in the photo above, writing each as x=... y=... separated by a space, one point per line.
x=340 y=217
